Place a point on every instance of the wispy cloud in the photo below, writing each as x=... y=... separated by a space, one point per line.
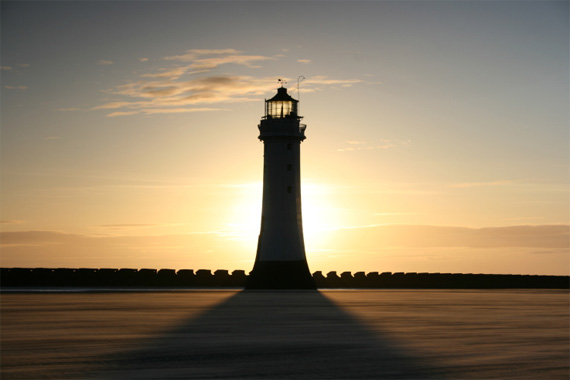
x=9 y=68
x=185 y=85
x=208 y=59
x=16 y=87
x=395 y=213
x=122 y=113
x=390 y=248
x=211 y=63
x=132 y=225
x=545 y=238
x=152 y=111
x=464 y=185
x=171 y=73
x=12 y=221
x=112 y=105
x=561 y=251
x=68 y=109
x=322 y=80
x=373 y=145
x=304 y=60
x=143 y=59
x=205 y=60
x=535 y=236
x=104 y=62
x=193 y=54
x=123 y=242
x=169 y=96
x=35 y=238
x=212 y=89
x=61 y=249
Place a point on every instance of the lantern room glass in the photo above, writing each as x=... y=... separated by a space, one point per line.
x=282 y=105
x=281 y=108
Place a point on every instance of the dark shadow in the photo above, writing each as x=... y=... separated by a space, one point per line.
x=271 y=335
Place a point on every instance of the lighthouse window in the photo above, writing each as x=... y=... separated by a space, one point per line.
x=289 y=166
x=289 y=188
x=279 y=108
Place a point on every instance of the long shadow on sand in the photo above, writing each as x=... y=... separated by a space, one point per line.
x=271 y=335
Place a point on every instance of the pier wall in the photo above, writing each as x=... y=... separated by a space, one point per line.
x=188 y=278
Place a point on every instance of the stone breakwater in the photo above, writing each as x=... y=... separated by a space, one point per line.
x=188 y=278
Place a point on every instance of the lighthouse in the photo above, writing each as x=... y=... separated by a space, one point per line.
x=280 y=262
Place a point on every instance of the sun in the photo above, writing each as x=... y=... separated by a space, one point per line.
x=318 y=211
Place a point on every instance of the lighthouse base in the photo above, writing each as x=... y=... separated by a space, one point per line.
x=280 y=275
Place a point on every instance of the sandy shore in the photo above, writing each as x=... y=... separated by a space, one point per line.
x=348 y=334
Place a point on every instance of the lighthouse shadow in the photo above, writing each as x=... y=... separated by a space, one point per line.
x=271 y=335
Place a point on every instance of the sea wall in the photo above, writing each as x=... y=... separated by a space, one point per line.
x=188 y=278
x=89 y=277
x=412 y=280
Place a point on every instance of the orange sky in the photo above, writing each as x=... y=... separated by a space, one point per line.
x=437 y=136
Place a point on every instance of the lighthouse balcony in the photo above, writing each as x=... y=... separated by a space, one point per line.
x=281 y=128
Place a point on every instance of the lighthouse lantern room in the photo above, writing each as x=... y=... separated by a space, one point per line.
x=281 y=105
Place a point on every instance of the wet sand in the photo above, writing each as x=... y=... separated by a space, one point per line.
x=343 y=334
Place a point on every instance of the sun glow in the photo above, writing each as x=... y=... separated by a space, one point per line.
x=319 y=216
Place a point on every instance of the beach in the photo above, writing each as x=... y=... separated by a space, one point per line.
x=338 y=334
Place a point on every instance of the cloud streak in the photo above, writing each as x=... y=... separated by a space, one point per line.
x=387 y=247
x=126 y=225
x=548 y=237
x=60 y=249
x=188 y=85
x=203 y=61
x=170 y=96
x=374 y=145
x=538 y=236
x=466 y=185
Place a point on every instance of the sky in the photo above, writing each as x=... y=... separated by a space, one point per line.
x=437 y=133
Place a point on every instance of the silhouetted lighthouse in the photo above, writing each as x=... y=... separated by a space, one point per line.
x=280 y=262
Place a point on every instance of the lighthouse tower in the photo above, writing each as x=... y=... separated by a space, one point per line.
x=280 y=262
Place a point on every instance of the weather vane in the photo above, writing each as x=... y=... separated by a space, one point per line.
x=281 y=82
